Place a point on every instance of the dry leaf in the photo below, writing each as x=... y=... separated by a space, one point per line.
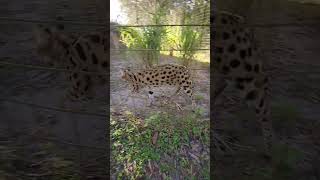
x=155 y=137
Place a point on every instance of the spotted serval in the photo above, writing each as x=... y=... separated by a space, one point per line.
x=236 y=63
x=76 y=53
x=160 y=75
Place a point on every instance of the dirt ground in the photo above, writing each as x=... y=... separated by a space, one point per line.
x=120 y=91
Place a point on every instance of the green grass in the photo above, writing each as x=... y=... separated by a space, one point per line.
x=285 y=117
x=132 y=144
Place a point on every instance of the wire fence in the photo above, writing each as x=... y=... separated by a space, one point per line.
x=301 y=23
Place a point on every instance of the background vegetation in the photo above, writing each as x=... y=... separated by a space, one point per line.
x=179 y=41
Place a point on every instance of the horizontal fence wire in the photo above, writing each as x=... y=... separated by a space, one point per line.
x=60 y=69
x=53 y=108
x=159 y=50
x=7 y=19
x=29 y=66
x=302 y=22
x=26 y=132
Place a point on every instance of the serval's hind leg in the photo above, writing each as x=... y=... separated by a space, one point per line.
x=256 y=97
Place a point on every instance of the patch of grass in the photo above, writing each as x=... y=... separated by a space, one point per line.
x=285 y=116
x=283 y=166
x=45 y=158
x=162 y=139
x=198 y=97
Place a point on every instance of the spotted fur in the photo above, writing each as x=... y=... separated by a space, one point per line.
x=236 y=63
x=168 y=74
x=76 y=53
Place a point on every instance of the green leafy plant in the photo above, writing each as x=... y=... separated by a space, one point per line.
x=147 y=39
x=134 y=144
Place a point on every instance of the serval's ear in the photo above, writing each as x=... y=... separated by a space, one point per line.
x=124 y=71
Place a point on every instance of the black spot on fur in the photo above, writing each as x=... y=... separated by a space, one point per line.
x=88 y=46
x=225 y=36
x=86 y=88
x=248 y=67
x=104 y=64
x=81 y=52
x=65 y=44
x=219 y=50
x=261 y=102
x=240 y=86
x=239 y=39
x=224 y=21
x=225 y=69
x=232 y=48
x=243 y=54
x=248 y=79
x=94 y=38
x=47 y=30
x=234 y=63
x=249 y=52
x=251 y=95
x=94 y=59
x=256 y=68
x=72 y=62
x=240 y=80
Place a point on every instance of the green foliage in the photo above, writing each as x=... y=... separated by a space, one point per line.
x=285 y=117
x=185 y=38
x=132 y=142
x=189 y=38
x=148 y=38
